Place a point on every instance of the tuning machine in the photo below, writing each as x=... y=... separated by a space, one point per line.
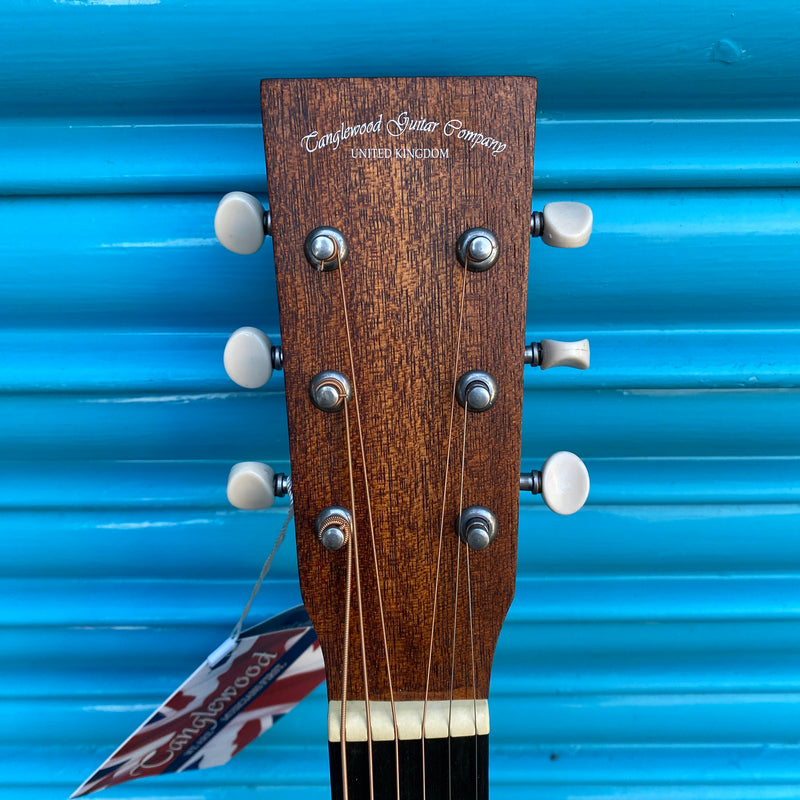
x=563 y=224
x=241 y=223
x=250 y=357
x=253 y=486
x=563 y=483
x=552 y=353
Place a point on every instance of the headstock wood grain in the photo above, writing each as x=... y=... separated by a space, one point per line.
x=380 y=319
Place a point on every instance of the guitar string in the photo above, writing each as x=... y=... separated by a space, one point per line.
x=470 y=609
x=441 y=525
x=474 y=684
x=452 y=674
x=354 y=541
x=469 y=605
x=348 y=590
x=458 y=572
x=368 y=498
x=469 y=599
x=472 y=661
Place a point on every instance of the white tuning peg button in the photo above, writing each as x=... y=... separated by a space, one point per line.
x=563 y=224
x=563 y=483
x=552 y=353
x=241 y=223
x=248 y=357
x=251 y=485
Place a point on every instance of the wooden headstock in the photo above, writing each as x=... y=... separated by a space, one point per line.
x=402 y=198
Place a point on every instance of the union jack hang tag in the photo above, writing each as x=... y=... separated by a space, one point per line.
x=240 y=691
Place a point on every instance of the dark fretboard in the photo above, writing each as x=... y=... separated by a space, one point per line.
x=456 y=768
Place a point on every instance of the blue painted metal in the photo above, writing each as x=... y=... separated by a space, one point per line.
x=652 y=650
x=153 y=57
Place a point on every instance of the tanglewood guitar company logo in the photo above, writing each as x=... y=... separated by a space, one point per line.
x=398 y=127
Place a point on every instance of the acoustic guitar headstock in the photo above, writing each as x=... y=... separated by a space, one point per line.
x=400 y=216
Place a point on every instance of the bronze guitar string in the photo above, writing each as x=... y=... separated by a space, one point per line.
x=441 y=523
x=455 y=618
x=367 y=494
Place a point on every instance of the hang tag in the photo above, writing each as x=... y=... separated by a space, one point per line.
x=240 y=691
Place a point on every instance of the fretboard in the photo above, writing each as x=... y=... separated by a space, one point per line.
x=455 y=767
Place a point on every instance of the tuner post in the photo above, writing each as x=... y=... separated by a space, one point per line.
x=326 y=248
x=477 y=527
x=478 y=249
x=476 y=390
x=330 y=390
x=333 y=526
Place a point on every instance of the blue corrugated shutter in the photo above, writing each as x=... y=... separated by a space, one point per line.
x=653 y=649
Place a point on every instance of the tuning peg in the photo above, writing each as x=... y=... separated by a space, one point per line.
x=253 y=485
x=563 y=483
x=563 y=224
x=552 y=353
x=249 y=357
x=241 y=223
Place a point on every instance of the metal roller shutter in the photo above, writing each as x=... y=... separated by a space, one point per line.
x=653 y=649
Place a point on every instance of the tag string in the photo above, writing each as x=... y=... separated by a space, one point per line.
x=237 y=630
